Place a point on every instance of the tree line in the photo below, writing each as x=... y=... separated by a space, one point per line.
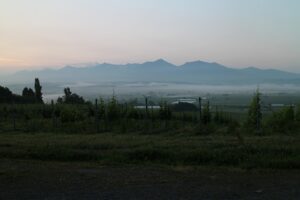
x=73 y=111
x=29 y=96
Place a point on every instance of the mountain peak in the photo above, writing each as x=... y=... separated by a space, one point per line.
x=158 y=63
x=204 y=65
x=161 y=61
x=196 y=62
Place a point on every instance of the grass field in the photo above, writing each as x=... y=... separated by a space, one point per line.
x=258 y=152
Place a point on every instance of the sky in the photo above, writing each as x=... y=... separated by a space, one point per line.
x=38 y=34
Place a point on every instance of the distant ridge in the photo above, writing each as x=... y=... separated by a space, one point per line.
x=160 y=70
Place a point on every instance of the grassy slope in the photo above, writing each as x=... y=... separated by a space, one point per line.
x=272 y=152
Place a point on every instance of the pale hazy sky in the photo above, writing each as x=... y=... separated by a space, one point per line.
x=54 y=33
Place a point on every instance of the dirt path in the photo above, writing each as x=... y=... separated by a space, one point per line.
x=48 y=180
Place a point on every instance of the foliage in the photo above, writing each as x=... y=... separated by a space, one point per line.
x=282 y=121
x=73 y=114
x=254 y=113
x=259 y=152
x=165 y=112
x=113 y=109
x=69 y=114
x=70 y=98
x=6 y=95
x=38 y=91
x=28 y=95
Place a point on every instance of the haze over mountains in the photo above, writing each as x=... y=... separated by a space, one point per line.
x=197 y=72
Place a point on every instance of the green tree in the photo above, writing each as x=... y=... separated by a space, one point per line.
x=28 y=95
x=113 y=111
x=282 y=121
x=254 y=113
x=68 y=93
x=101 y=109
x=165 y=111
x=290 y=114
x=70 y=98
x=25 y=92
x=38 y=91
x=6 y=95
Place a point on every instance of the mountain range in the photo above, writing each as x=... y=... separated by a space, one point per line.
x=198 y=72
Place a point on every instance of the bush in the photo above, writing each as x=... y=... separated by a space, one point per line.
x=69 y=114
x=282 y=121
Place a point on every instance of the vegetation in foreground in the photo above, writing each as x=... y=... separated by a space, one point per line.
x=27 y=113
x=110 y=132
x=259 y=152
